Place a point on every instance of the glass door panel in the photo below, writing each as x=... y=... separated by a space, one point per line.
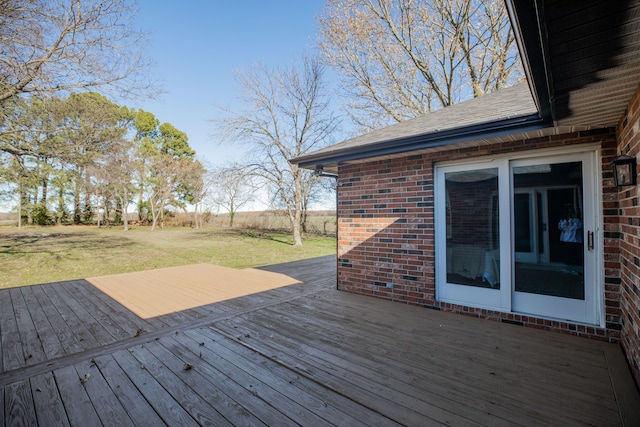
x=558 y=278
x=559 y=186
x=472 y=244
x=470 y=235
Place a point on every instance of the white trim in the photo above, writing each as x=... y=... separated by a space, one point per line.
x=525 y=154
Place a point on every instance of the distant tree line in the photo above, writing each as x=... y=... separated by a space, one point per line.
x=64 y=159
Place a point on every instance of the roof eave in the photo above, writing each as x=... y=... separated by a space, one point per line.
x=529 y=28
x=420 y=142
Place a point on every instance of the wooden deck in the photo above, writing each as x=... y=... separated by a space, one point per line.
x=293 y=354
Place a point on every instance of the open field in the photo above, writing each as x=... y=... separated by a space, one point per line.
x=34 y=255
x=318 y=222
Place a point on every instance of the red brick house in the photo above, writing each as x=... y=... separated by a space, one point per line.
x=505 y=207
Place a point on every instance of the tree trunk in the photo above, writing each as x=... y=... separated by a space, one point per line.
x=195 y=217
x=88 y=210
x=231 y=215
x=77 y=213
x=21 y=202
x=297 y=214
x=297 y=231
x=125 y=217
x=45 y=188
x=20 y=212
x=154 y=215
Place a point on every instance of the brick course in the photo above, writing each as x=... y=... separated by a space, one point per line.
x=627 y=229
x=386 y=233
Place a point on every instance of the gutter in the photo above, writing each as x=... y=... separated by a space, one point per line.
x=419 y=142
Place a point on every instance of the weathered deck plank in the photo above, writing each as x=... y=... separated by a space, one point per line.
x=340 y=353
x=31 y=345
x=77 y=325
x=107 y=406
x=298 y=354
x=197 y=407
x=487 y=350
x=97 y=330
x=109 y=319
x=77 y=403
x=45 y=333
x=344 y=377
x=67 y=337
x=134 y=404
x=238 y=393
x=12 y=352
x=309 y=394
x=47 y=401
x=265 y=391
x=173 y=356
x=19 y=404
x=161 y=400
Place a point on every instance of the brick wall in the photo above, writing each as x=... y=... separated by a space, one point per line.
x=629 y=233
x=386 y=231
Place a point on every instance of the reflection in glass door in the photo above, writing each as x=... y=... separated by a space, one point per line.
x=548 y=207
x=472 y=238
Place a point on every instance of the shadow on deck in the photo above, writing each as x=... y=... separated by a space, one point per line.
x=300 y=354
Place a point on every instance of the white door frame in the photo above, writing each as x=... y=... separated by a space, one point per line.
x=584 y=311
x=591 y=310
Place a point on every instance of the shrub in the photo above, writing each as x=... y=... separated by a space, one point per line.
x=40 y=215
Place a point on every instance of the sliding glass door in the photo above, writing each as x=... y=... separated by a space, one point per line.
x=519 y=235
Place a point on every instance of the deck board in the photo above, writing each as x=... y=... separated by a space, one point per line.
x=160 y=399
x=47 y=402
x=46 y=334
x=31 y=345
x=171 y=354
x=238 y=393
x=77 y=325
x=392 y=399
x=109 y=319
x=99 y=332
x=132 y=401
x=74 y=396
x=487 y=352
x=197 y=407
x=302 y=353
x=104 y=400
x=12 y=348
x=342 y=354
x=310 y=393
x=303 y=393
x=67 y=337
x=19 y=404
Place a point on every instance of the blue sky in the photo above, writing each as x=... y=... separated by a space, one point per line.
x=198 y=45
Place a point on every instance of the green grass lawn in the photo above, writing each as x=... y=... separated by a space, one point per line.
x=33 y=255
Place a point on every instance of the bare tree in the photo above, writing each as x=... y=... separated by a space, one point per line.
x=53 y=46
x=233 y=187
x=114 y=175
x=287 y=116
x=400 y=59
